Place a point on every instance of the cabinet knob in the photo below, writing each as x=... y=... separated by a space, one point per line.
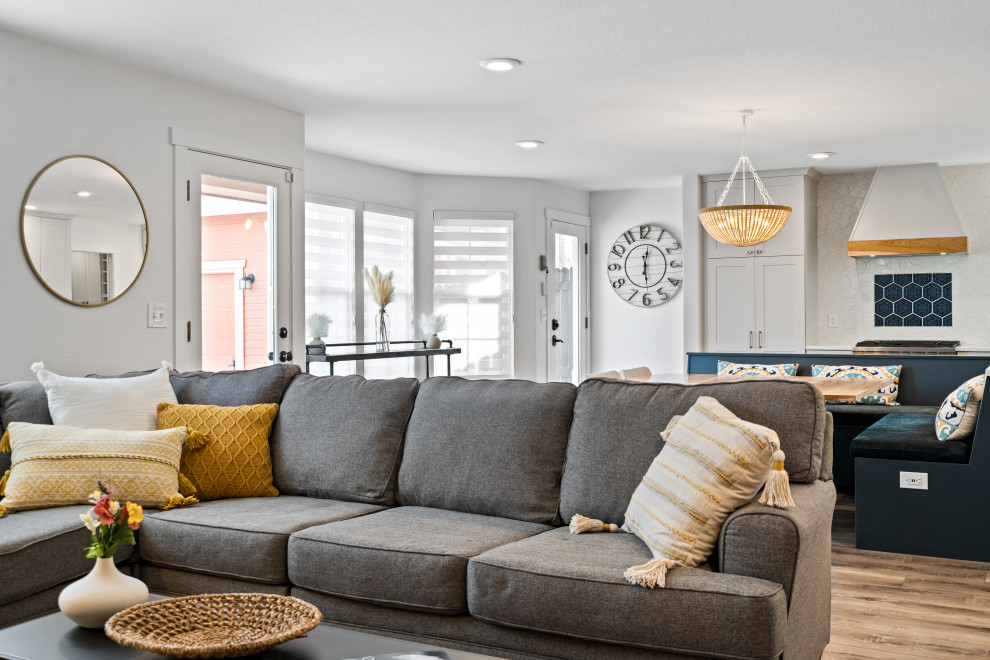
x=759 y=252
x=749 y=252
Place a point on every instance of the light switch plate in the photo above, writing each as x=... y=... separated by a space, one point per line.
x=156 y=315
x=833 y=320
x=916 y=480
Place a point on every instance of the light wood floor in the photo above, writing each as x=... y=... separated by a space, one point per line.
x=887 y=605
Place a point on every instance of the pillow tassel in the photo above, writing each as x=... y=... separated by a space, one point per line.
x=176 y=501
x=3 y=482
x=581 y=524
x=195 y=440
x=651 y=574
x=777 y=491
x=186 y=487
x=5 y=441
x=2 y=511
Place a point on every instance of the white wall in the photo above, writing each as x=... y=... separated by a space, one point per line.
x=56 y=103
x=623 y=335
x=845 y=284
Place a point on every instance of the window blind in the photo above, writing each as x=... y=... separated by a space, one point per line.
x=329 y=275
x=388 y=244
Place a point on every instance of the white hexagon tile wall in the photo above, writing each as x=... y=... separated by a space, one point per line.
x=845 y=284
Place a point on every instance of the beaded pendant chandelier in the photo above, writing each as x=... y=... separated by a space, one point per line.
x=744 y=224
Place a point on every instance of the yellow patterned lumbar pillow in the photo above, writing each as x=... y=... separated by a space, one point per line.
x=711 y=464
x=235 y=461
x=59 y=465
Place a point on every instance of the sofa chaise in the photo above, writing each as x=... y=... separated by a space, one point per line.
x=436 y=512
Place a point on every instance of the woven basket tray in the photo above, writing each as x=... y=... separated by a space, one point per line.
x=213 y=625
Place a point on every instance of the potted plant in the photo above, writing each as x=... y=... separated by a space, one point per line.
x=382 y=292
x=319 y=325
x=432 y=325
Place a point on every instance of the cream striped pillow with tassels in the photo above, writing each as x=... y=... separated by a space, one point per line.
x=711 y=464
x=59 y=465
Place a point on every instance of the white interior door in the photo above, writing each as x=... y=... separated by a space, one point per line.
x=233 y=210
x=567 y=301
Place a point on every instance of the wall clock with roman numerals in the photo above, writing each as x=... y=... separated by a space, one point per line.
x=646 y=265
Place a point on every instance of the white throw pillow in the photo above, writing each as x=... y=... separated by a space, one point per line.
x=121 y=404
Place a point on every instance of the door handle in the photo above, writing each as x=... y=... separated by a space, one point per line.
x=751 y=339
x=761 y=339
x=285 y=356
x=554 y=341
x=554 y=324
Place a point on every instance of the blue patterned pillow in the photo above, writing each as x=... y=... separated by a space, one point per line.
x=734 y=369
x=885 y=396
x=957 y=416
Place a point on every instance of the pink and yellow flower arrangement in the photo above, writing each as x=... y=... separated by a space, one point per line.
x=110 y=523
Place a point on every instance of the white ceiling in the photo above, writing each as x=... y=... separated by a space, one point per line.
x=625 y=93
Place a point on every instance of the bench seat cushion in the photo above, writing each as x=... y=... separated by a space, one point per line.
x=410 y=557
x=867 y=414
x=719 y=615
x=908 y=437
x=244 y=539
x=43 y=548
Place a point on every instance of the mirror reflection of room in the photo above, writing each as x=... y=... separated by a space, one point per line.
x=84 y=230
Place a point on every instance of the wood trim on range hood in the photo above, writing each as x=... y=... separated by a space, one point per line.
x=907 y=210
x=897 y=246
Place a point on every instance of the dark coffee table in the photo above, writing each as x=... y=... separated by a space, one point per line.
x=54 y=637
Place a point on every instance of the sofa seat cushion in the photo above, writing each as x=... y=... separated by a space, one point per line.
x=698 y=611
x=908 y=438
x=43 y=548
x=409 y=557
x=238 y=538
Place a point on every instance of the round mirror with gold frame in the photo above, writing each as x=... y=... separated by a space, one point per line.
x=84 y=230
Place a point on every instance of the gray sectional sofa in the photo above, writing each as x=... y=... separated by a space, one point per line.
x=436 y=512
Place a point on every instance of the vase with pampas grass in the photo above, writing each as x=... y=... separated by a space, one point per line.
x=432 y=325
x=382 y=292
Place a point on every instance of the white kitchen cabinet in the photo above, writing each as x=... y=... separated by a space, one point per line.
x=756 y=305
x=763 y=298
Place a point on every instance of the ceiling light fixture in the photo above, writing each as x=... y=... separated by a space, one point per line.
x=84 y=193
x=529 y=144
x=821 y=155
x=500 y=64
x=744 y=224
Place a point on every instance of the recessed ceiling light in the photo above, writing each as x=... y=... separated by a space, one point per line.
x=529 y=144
x=500 y=64
x=29 y=207
x=821 y=155
x=84 y=193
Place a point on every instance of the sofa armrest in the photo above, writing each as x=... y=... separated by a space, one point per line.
x=793 y=548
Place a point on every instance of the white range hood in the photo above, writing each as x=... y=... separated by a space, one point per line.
x=907 y=211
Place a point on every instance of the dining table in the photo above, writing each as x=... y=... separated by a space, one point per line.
x=835 y=390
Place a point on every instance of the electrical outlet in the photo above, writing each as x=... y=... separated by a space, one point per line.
x=156 y=315
x=833 y=320
x=916 y=480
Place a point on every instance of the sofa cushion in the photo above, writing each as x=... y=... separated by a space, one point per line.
x=616 y=434
x=21 y=401
x=341 y=437
x=865 y=414
x=40 y=549
x=707 y=613
x=410 y=557
x=908 y=438
x=240 y=538
x=234 y=388
x=492 y=447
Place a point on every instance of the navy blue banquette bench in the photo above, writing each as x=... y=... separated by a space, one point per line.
x=951 y=518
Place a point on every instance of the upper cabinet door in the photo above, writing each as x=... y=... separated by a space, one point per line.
x=712 y=191
x=786 y=191
x=731 y=321
x=779 y=293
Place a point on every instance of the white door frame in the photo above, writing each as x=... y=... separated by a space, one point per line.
x=235 y=268
x=286 y=260
x=581 y=226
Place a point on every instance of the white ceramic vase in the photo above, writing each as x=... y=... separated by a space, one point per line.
x=89 y=602
x=433 y=341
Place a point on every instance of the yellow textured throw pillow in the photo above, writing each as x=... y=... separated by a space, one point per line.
x=235 y=461
x=59 y=465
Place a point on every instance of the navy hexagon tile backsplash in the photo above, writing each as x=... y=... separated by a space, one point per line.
x=920 y=299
